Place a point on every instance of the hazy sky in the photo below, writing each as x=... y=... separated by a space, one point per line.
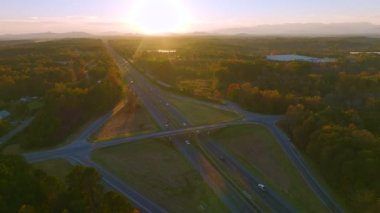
x=152 y=16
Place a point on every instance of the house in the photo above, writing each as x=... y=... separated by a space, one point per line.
x=28 y=99
x=4 y=114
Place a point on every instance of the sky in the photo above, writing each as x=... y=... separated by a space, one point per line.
x=158 y=16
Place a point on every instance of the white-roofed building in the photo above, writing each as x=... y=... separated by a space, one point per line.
x=4 y=114
x=299 y=58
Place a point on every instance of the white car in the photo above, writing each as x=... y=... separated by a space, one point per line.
x=187 y=142
x=261 y=186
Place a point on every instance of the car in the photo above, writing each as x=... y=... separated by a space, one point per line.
x=261 y=186
x=167 y=104
x=131 y=82
x=187 y=142
x=184 y=124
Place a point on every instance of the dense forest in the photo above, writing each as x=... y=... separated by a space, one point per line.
x=73 y=80
x=4 y=127
x=331 y=110
x=25 y=189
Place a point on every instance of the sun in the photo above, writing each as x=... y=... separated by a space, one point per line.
x=156 y=17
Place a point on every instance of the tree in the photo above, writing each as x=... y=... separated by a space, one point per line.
x=233 y=92
x=4 y=127
x=27 y=190
x=349 y=158
x=115 y=203
x=24 y=188
x=85 y=193
x=84 y=183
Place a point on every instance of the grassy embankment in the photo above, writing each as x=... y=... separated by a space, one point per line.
x=257 y=149
x=156 y=169
x=201 y=114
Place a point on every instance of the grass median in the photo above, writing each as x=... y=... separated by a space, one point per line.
x=156 y=169
x=201 y=114
x=256 y=148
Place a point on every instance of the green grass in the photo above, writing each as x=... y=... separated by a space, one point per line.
x=56 y=168
x=35 y=105
x=257 y=149
x=156 y=169
x=200 y=114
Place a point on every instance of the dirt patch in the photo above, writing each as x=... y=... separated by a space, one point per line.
x=125 y=123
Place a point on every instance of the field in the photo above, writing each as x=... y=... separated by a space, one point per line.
x=158 y=171
x=125 y=123
x=256 y=148
x=200 y=114
x=56 y=168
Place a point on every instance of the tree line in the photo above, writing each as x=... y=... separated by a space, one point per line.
x=25 y=189
x=76 y=79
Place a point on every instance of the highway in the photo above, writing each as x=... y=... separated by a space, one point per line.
x=206 y=158
x=273 y=201
x=228 y=163
x=169 y=118
x=299 y=163
x=270 y=123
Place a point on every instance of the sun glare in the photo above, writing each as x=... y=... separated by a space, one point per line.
x=155 y=17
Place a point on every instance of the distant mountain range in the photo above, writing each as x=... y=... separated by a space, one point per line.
x=48 y=35
x=309 y=29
